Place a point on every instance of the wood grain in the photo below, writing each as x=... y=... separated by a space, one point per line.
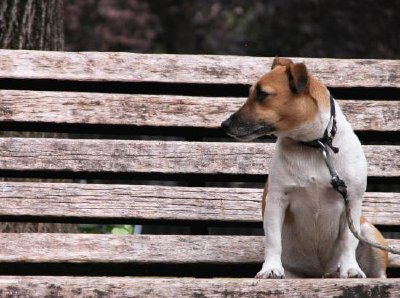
x=143 y=249
x=152 y=202
x=76 y=155
x=203 y=69
x=163 y=110
x=68 y=286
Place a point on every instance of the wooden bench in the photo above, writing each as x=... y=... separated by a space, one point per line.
x=142 y=133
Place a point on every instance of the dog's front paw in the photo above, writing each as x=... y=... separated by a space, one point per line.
x=352 y=272
x=271 y=272
x=346 y=272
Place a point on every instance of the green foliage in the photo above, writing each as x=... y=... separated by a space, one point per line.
x=107 y=229
x=122 y=230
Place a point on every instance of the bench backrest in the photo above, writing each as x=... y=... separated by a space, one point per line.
x=142 y=133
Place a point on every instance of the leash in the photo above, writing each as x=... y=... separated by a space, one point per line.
x=340 y=186
x=337 y=183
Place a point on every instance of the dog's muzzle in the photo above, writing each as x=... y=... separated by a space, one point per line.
x=243 y=130
x=226 y=124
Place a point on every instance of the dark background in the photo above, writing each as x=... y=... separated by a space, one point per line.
x=336 y=29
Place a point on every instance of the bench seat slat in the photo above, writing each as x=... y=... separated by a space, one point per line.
x=152 y=202
x=132 y=156
x=143 y=249
x=163 y=110
x=203 y=69
x=68 y=286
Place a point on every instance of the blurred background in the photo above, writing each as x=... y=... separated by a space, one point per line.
x=337 y=29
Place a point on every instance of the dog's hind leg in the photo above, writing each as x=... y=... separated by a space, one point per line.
x=264 y=198
x=372 y=261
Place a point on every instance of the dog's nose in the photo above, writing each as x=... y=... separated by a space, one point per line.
x=225 y=124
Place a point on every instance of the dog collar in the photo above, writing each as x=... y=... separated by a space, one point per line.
x=327 y=138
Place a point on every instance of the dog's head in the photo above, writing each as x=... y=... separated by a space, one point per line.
x=278 y=102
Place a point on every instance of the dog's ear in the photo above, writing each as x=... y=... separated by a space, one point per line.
x=298 y=77
x=281 y=61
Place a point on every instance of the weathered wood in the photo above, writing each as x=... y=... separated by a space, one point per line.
x=378 y=207
x=32 y=25
x=152 y=202
x=203 y=69
x=68 y=286
x=163 y=110
x=75 y=155
x=143 y=249
x=372 y=115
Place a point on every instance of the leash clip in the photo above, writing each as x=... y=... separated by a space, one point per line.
x=327 y=159
x=338 y=184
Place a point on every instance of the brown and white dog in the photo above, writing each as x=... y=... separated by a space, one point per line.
x=306 y=233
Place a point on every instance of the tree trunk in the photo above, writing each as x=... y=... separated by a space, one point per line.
x=32 y=25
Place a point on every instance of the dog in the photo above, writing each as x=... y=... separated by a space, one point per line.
x=305 y=226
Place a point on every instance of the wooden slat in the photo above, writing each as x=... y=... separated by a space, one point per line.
x=372 y=115
x=163 y=110
x=76 y=155
x=68 y=286
x=152 y=202
x=143 y=249
x=130 y=67
x=379 y=208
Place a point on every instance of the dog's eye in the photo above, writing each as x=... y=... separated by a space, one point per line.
x=261 y=95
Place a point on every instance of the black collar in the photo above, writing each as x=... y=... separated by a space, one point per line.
x=327 y=138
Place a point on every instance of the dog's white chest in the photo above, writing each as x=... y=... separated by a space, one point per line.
x=312 y=201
